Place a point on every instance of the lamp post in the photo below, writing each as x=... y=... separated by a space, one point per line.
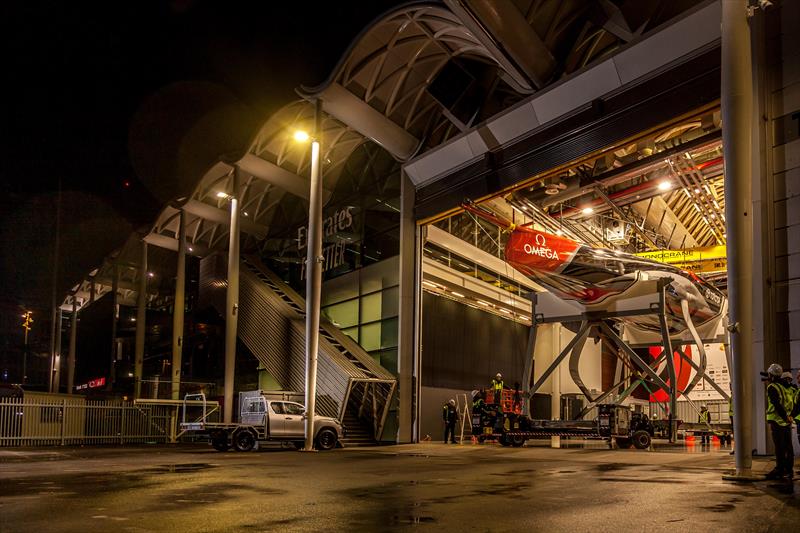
x=313 y=272
x=28 y=316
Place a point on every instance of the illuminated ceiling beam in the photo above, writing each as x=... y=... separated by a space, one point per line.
x=170 y=243
x=500 y=26
x=366 y=120
x=277 y=176
x=221 y=216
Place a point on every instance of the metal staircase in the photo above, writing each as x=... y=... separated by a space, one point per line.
x=351 y=385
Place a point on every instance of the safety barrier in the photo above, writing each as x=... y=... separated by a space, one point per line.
x=47 y=422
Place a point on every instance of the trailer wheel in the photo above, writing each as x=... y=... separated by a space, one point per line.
x=244 y=440
x=641 y=439
x=219 y=441
x=517 y=441
x=623 y=442
x=326 y=439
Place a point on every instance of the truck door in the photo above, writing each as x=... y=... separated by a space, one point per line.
x=276 y=421
x=294 y=423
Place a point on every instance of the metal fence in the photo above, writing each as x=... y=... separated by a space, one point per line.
x=47 y=422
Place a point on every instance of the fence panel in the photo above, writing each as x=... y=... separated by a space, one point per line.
x=49 y=422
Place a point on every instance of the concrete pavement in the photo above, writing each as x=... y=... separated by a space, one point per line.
x=433 y=486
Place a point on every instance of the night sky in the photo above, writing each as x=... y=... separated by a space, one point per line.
x=116 y=100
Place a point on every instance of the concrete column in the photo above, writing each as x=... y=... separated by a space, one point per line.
x=737 y=104
x=232 y=298
x=73 y=342
x=178 y=309
x=141 y=323
x=57 y=356
x=405 y=349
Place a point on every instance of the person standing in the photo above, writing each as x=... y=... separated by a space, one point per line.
x=705 y=436
x=497 y=388
x=779 y=409
x=449 y=415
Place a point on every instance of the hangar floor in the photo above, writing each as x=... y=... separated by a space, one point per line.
x=431 y=485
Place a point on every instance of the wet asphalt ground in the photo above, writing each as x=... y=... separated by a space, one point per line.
x=429 y=486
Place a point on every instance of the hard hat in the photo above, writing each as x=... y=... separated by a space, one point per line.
x=499 y=376
x=775 y=370
x=704 y=406
x=786 y=375
x=452 y=402
x=475 y=393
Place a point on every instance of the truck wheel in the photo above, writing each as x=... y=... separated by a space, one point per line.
x=623 y=442
x=220 y=442
x=244 y=440
x=641 y=439
x=517 y=441
x=326 y=439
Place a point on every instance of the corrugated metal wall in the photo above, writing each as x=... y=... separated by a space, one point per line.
x=272 y=326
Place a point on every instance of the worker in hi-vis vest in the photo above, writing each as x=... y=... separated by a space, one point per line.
x=780 y=404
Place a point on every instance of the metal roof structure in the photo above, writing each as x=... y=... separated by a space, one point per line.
x=386 y=92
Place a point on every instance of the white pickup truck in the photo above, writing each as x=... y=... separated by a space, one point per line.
x=263 y=419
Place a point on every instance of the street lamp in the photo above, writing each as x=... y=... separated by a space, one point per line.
x=28 y=316
x=313 y=272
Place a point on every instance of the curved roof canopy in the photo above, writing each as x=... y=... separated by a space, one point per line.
x=390 y=89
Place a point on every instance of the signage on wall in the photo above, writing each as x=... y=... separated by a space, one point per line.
x=333 y=254
x=92 y=384
x=339 y=221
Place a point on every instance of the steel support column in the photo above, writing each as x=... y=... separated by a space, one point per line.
x=232 y=298
x=73 y=343
x=141 y=317
x=314 y=260
x=178 y=309
x=112 y=362
x=737 y=112
x=57 y=353
x=405 y=355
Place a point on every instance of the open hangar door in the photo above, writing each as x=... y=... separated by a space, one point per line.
x=659 y=197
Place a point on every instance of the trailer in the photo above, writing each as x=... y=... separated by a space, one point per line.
x=615 y=424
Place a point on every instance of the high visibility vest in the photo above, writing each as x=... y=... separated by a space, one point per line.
x=791 y=397
x=704 y=417
x=730 y=407
x=497 y=385
x=477 y=406
x=786 y=402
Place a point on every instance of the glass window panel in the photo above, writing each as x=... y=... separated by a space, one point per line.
x=371 y=307
x=388 y=359
x=342 y=315
x=389 y=333
x=391 y=300
x=371 y=337
x=352 y=333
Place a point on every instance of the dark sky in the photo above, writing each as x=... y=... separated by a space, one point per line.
x=101 y=96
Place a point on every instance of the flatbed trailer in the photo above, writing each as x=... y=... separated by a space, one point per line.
x=723 y=431
x=614 y=424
